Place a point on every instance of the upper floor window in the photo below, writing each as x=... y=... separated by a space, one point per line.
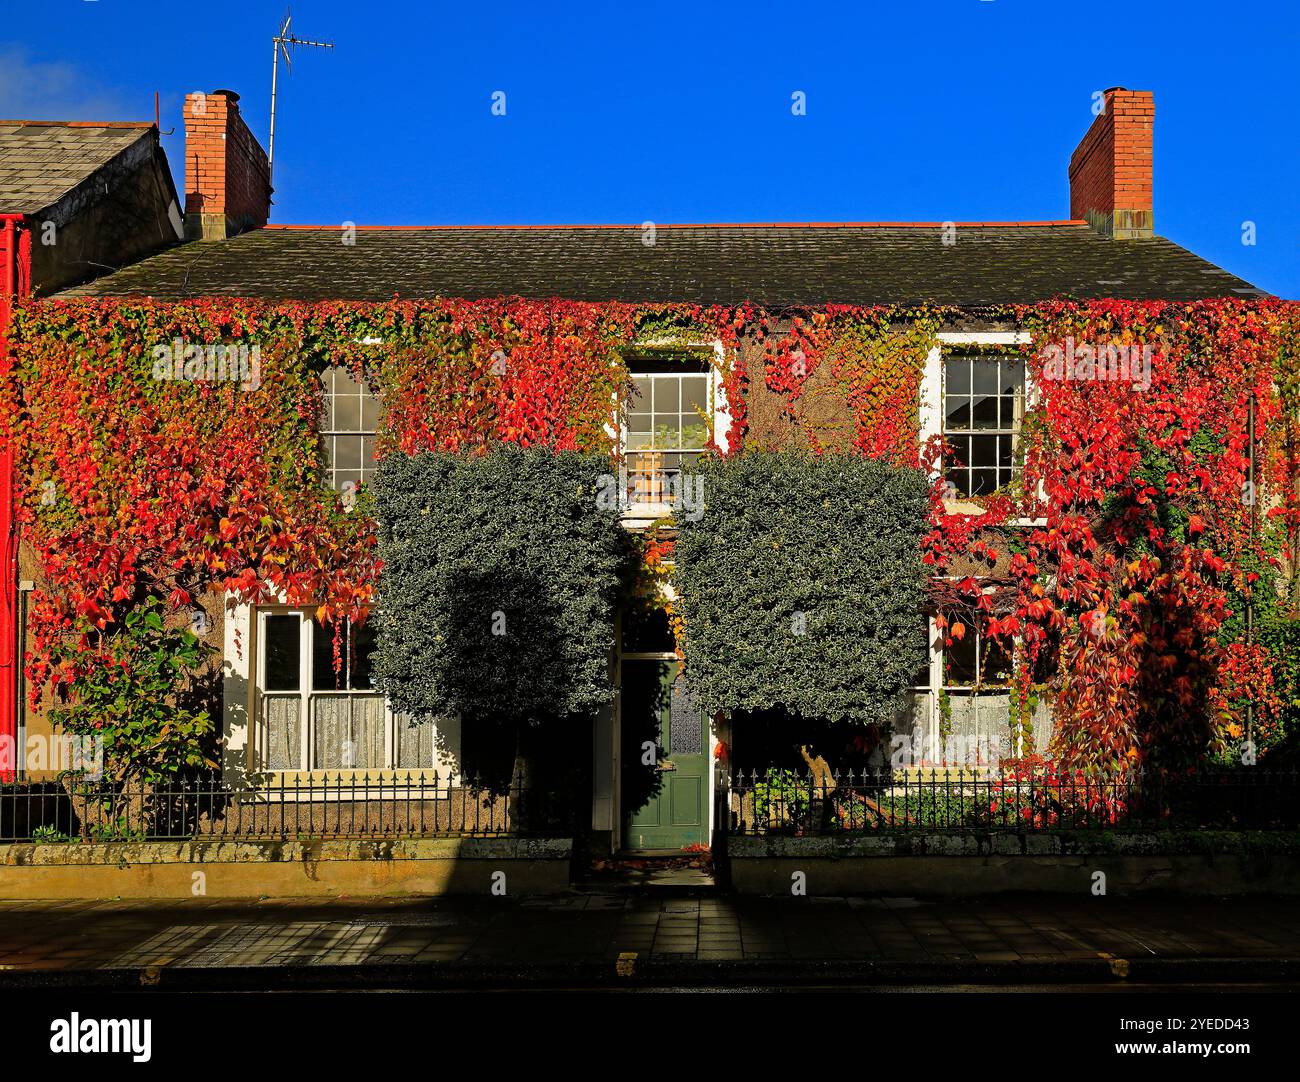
x=665 y=424
x=983 y=406
x=351 y=417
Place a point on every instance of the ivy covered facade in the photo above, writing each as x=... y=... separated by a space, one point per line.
x=626 y=517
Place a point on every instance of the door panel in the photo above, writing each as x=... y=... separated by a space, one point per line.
x=687 y=798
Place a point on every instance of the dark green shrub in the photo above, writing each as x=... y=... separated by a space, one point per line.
x=496 y=597
x=801 y=585
x=781 y=799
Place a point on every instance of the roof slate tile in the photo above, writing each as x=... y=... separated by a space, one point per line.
x=40 y=161
x=775 y=266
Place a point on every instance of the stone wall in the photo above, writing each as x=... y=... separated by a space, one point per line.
x=972 y=865
x=285 y=869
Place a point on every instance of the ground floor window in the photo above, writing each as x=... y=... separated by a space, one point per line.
x=314 y=714
x=961 y=704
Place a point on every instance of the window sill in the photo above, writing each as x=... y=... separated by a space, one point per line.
x=968 y=506
x=646 y=513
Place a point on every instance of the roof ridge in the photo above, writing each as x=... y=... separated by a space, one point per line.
x=714 y=225
x=80 y=123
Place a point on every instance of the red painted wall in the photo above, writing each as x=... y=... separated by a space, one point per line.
x=15 y=281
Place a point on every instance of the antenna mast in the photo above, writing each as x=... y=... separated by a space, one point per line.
x=282 y=43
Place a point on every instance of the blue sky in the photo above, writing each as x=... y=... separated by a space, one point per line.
x=933 y=110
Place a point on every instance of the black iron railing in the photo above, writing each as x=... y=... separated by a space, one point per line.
x=286 y=806
x=1034 y=801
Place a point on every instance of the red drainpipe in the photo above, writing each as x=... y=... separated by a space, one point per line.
x=15 y=252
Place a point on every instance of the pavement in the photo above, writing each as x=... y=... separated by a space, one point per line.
x=600 y=936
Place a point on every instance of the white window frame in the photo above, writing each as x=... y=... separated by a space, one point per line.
x=970 y=432
x=306 y=694
x=328 y=432
x=939 y=683
x=931 y=405
x=639 y=515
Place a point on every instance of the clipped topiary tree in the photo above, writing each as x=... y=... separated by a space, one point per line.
x=497 y=591
x=801 y=586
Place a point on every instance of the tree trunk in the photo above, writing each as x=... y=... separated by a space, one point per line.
x=524 y=815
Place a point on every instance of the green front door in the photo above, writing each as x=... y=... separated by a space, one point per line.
x=665 y=780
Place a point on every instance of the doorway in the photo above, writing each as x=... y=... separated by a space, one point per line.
x=664 y=781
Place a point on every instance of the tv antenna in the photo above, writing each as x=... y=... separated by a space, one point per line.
x=283 y=42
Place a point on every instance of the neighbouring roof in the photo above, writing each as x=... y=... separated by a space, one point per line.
x=773 y=265
x=41 y=161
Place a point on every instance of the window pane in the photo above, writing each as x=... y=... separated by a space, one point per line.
x=959 y=450
x=983 y=482
x=347 y=413
x=1005 y=449
x=666 y=395
x=344 y=383
x=957 y=376
x=667 y=432
x=369 y=413
x=694 y=431
x=647 y=630
x=1008 y=412
x=368 y=729
x=283 y=732
x=330 y=733
x=347 y=452
x=323 y=677
x=695 y=394
x=348 y=731
x=995 y=661
x=959 y=660
x=984 y=377
x=638 y=421
x=921 y=678
x=360 y=650
x=983 y=450
x=958 y=413
x=638 y=400
x=414 y=743
x=282 y=653
x=1012 y=377
x=985 y=412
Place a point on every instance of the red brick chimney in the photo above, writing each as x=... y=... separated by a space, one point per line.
x=1110 y=170
x=227 y=180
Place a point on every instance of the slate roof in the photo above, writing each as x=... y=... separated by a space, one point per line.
x=774 y=265
x=41 y=161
